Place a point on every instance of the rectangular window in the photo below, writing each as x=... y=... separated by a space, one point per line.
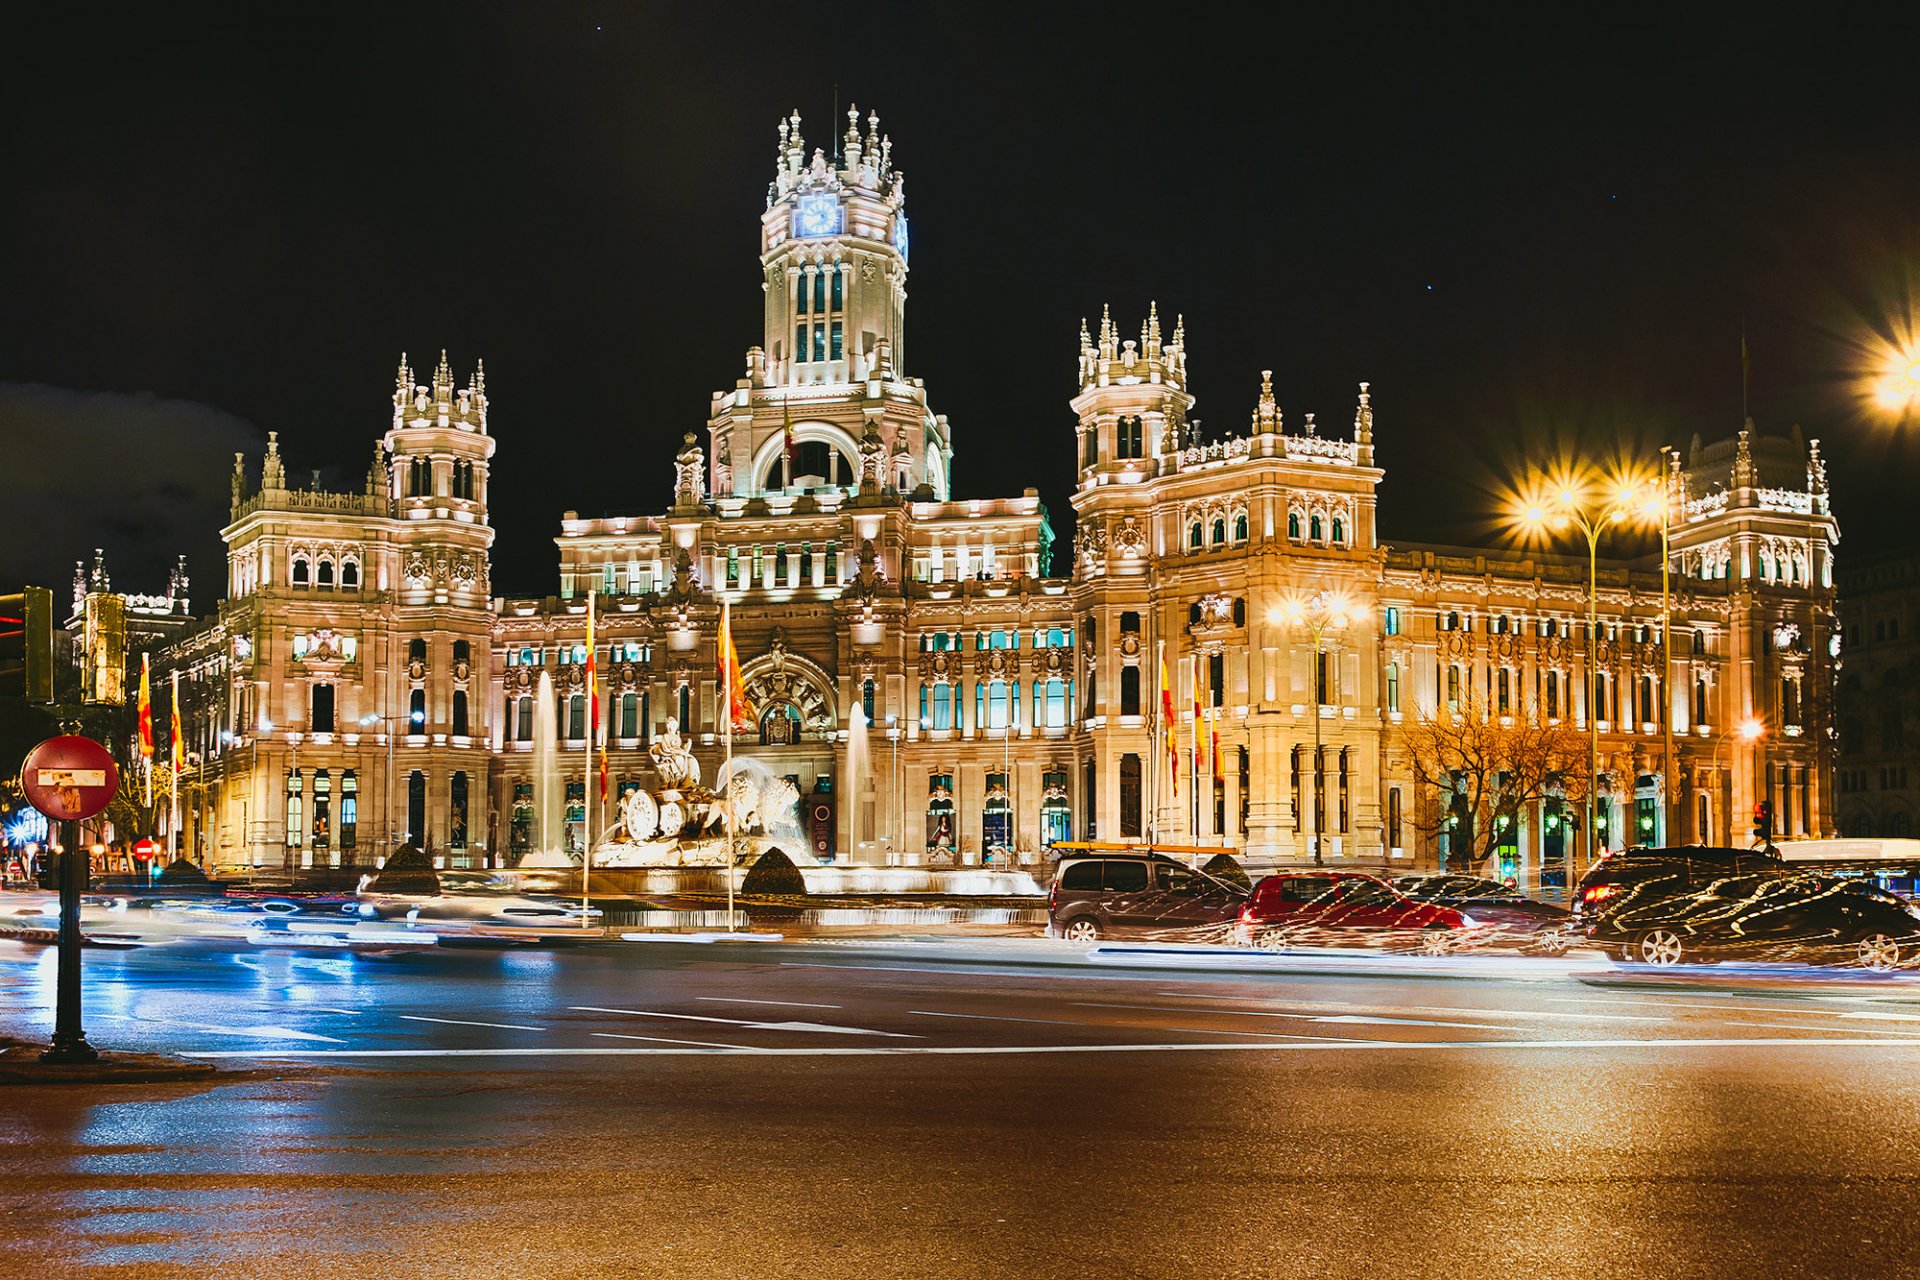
x=457 y=811
x=349 y=810
x=836 y=340
x=417 y=809
x=800 y=342
x=1393 y=620
x=1129 y=794
x=296 y=817
x=1393 y=686
x=322 y=809
x=322 y=708
x=1346 y=758
x=1393 y=819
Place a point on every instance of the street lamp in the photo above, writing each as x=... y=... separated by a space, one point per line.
x=1894 y=385
x=1575 y=503
x=893 y=736
x=1657 y=506
x=1318 y=614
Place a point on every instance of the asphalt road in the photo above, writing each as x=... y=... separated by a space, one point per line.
x=975 y=1110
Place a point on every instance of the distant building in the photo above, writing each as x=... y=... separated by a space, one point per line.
x=1879 y=694
x=936 y=675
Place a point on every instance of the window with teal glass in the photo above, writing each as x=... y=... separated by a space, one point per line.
x=1240 y=528
x=1313 y=528
x=1339 y=530
x=835 y=350
x=1393 y=620
x=799 y=342
x=1194 y=536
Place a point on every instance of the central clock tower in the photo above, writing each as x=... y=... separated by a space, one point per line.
x=833 y=246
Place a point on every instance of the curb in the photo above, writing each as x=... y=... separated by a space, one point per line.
x=704 y=937
x=21 y=1064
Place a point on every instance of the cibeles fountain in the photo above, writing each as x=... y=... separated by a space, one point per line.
x=683 y=836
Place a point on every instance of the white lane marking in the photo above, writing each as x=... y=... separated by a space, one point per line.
x=785 y=1004
x=900 y=968
x=1064 y=1022
x=320 y=1008
x=462 y=1022
x=854 y=1051
x=1374 y=1020
x=705 y=1044
x=1795 y=1026
x=1475 y=1011
x=1875 y=1014
x=1304 y=1017
x=750 y=1025
x=263 y=1033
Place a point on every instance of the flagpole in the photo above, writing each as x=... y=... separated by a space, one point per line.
x=726 y=724
x=1153 y=745
x=586 y=780
x=176 y=755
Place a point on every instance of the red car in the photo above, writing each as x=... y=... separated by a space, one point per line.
x=1308 y=907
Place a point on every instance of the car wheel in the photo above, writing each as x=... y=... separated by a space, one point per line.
x=1659 y=946
x=1081 y=929
x=1272 y=940
x=1553 y=942
x=1878 y=951
x=1435 y=941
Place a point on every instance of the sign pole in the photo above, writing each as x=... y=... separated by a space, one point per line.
x=69 y=1037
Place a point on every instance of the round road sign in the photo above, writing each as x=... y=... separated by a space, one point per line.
x=69 y=778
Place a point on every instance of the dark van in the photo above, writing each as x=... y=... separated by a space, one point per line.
x=1114 y=894
x=1629 y=879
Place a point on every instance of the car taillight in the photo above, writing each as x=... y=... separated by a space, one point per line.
x=1246 y=914
x=1053 y=895
x=1596 y=892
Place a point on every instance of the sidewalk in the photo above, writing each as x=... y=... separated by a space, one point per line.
x=20 y=1064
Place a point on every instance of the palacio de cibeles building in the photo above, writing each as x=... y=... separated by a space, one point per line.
x=937 y=679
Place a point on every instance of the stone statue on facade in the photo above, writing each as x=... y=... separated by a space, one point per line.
x=674 y=759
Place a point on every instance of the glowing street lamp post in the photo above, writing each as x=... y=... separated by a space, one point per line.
x=1569 y=507
x=1326 y=610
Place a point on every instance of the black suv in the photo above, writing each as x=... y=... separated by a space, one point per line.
x=1108 y=895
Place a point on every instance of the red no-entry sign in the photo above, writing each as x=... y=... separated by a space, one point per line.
x=69 y=778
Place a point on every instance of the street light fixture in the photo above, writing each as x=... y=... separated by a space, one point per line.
x=1318 y=614
x=1592 y=506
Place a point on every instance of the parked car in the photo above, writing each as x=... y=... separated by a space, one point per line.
x=1633 y=878
x=1510 y=917
x=1821 y=919
x=1115 y=894
x=1343 y=906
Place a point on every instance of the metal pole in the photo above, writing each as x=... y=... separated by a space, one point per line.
x=1593 y=721
x=726 y=728
x=1318 y=772
x=1667 y=775
x=586 y=774
x=69 y=1038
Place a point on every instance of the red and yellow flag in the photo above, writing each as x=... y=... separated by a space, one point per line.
x=146 y=713
x=1167 y=722
x=1213 y=727
x=176 y=745
x=593 y=700
x=1196 y=719
x=739 y=714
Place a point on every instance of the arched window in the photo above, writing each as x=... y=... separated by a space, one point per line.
x=1339 y=531
x=417 y=809
x=1240 y=527
x=323 y=575
x=1193 y=615
x=1219 y=531
x=349 y=575
x=300 y=578
x=1313 y=529
x=523 y=719
x=417 y=711
x=1293 y=525
x=1194 y=536
x=866 y=699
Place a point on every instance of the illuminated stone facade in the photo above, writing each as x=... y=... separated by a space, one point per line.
x=939 y=678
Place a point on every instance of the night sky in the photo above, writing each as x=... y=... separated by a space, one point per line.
x=1529 y=240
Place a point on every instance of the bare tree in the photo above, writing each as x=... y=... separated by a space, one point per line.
x=1475 y=769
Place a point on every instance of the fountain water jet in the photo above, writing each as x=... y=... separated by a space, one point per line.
x=549 y=811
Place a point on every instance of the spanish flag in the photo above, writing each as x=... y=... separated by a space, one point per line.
x=146 y=729
x=593 y=701
x=739 y=714
x=176 y=745
x=1196 y=720
x=1166 y=721
x=1213 y=727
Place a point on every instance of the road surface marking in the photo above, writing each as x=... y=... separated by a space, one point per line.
x=705 y=1044
x=1874 y=1014
x=991 y=1017
x=750 y=1025
x=1795 y=1026
x=1375 y=1020
x=787 y=1004
x=856 y=1051
x=462 y=1022
x=1473 y=1012
x=320 y=1008
x=264 y=1033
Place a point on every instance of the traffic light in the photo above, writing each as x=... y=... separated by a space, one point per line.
x=1763 y=822
x=26 y=645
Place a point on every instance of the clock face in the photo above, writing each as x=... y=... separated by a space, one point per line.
x=900 y=233
x=817 y=215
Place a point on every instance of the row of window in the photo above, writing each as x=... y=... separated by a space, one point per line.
x=996 y=704
x=322 y=717
x=1314 y=529
x=573 y=655
x=629 y=715
x=827 y=294
x=1131 y=797
x=826 y=342
x=323 y=799
x=320 y=573
x=1500 y=624
x=1893 y=777
x=1197 y=539
x=786 y=571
